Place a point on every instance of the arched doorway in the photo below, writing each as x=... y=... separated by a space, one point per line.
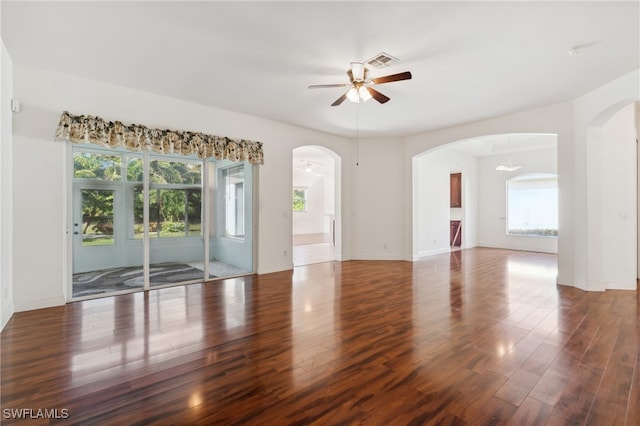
x=612 y=199
x=316 y=205
x=481 y=213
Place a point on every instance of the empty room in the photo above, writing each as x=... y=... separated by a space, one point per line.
x=310 y=212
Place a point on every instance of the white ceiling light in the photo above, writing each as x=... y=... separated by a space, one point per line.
x=358 y=94
x=508 y=166
x=578 y=49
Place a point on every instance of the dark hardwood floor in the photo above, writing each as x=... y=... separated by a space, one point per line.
x=475 y=337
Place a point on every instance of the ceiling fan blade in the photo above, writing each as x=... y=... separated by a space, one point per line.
x=339 y=100
x=322 y=86
x=393 y=77
x=377 y=95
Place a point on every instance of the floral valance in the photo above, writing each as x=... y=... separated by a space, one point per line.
x=95 y=130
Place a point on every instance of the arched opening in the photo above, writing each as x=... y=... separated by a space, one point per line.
x=316 y=220
x=481 y=216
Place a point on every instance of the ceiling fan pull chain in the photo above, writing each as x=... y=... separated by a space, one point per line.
x=357 y=136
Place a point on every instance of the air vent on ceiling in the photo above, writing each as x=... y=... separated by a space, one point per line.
x=382 y=60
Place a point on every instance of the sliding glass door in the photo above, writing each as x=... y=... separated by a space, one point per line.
x=146 y=220
x=176 y=242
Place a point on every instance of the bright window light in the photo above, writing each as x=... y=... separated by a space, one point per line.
x=532 y=205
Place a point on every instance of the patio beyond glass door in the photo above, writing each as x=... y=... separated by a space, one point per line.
x=176 y=242
x=142 y=220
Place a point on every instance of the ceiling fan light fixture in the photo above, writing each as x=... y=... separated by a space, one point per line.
x=364 y=94
x=357 y=71
x=358 y=94
x=359 y=82
x=352 y=95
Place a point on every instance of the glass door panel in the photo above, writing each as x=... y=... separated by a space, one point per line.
x=231 y=219
x=97 y=241
x=106 y=258
x=128 y=207
x=176 y=245
x=97 y=217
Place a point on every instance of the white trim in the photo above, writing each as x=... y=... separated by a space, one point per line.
x=39 y=303
x=146 y=250
x=426 y=253
x=397 y=256
x=67 y=217
x=7 y=313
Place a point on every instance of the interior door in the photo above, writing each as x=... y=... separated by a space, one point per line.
x=96 y=233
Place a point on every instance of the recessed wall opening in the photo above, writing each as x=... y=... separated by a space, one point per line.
x=315 y=205
x=461 y=197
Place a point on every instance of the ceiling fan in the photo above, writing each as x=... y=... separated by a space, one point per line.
x=360 y=86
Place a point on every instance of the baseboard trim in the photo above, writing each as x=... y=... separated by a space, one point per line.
x=7 y=313
x=427 y=253
x=30 y=305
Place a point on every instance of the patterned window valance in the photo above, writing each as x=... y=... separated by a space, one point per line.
x=95 y=130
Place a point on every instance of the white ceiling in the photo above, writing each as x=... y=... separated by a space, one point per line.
x=469 y=60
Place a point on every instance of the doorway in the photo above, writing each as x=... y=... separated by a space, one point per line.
x=148 y=220
x=315 y=203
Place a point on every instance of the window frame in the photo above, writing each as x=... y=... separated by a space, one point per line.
x=531 y=177
x=225 y=174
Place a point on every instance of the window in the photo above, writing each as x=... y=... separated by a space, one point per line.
x=532 y=205
x=89 y=165
x=299 y=199
x=233 y=179
x=97 y=217
x=175 y=199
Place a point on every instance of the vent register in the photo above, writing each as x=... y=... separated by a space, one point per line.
x=382 y=60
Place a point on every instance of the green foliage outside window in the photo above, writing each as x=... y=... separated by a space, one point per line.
x=172 y=212
x=299 y=200
x=87 y=165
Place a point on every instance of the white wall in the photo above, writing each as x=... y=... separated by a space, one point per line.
x=433 y=204
x=620 y=204
x=612 y=205
x=378 y=198
x=6 y=191
x=40 y=176
x=493 y=199
x=588 y=268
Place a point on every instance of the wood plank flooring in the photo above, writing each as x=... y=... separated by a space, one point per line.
x=475 y=337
